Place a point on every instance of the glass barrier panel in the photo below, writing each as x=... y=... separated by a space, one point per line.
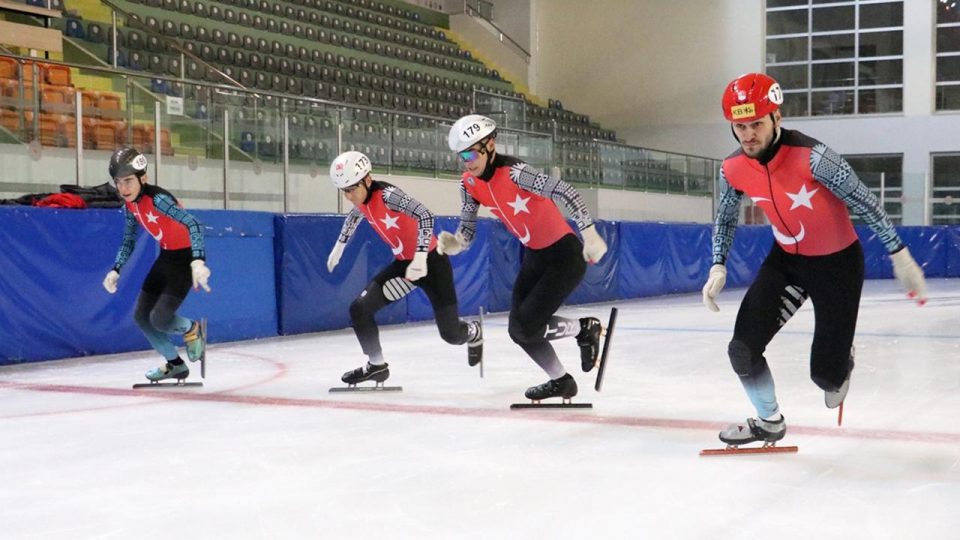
x=119 y=107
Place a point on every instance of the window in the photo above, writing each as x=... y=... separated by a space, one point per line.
x=839 y=57
x=945 y=195
x=948 y=55
x=883 y=174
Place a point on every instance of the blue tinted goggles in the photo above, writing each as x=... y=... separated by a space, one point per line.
x=468 y=155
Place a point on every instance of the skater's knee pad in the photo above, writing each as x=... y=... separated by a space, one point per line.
x=359 y=310
x=161 y=319
x=520 y=334
x=142 y=318
x=740 y=358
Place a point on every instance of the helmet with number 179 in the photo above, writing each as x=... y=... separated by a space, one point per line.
x=750 y=97
x=470 y=130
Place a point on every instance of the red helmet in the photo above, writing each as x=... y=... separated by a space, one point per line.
x=751 y=96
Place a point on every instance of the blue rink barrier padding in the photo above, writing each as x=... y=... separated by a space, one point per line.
x=478 y=272
x=270 y=276
x=600 y=283
x=953 y=251
x=311 y=299
x=242 y=303
x=932 y=247
x=52 y=263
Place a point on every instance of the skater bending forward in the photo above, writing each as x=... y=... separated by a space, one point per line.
x=806 y=190
x=554 y=259
x=180 y=264
x=406 y=226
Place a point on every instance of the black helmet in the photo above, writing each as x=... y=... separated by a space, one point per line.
x=127 y=160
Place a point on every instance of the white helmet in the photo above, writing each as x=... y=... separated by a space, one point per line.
x=469 y=130
x=349 y=169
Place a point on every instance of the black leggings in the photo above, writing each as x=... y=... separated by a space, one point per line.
x=389 y=286
x=833 y=282
x=164 y=289
x=547 y=276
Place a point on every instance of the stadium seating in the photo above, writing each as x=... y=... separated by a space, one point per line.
x=355 y=53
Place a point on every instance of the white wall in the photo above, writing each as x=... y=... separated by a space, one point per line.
x=499 y=55
x=654 y=71
x=196 y=186
x=310 y=190
x=200 y=185
x=513 y=17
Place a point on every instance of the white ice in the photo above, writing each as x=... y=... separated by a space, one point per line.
x=264 y=451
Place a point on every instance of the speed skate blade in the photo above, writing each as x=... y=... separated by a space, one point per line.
x=481 y=326
x=203 y=356
x=367 y=389
x=606 y=349
x=535 y=405
x=169 y=385
x=729 y=451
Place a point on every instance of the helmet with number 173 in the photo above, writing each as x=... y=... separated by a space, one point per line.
x=349 y=169
x=750 y=97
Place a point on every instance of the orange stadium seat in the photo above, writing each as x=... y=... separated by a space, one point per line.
x=144 y=139
x=109 y=105
x=56 y=75
x=8 y=68
x=89 y=98
x=52 y=129
x=9 y=120
x=104 y=134
x=57 y=99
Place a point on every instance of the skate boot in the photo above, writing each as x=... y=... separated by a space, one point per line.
x=755 y=429
x=196 y=341
x=168 y=371
x=834 y=399
x=564 y=387
x=369 y=372
x=475 y=345
x=589 y=341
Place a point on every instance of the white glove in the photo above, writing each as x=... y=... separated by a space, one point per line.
x=201 y=274
x=110 y=282
x=593 y=246
x=334 y=259
x=417 y=267
x=910 y=275
x=715 y=282
x=449 y=243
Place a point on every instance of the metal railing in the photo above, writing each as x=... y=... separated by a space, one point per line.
x=221 y=122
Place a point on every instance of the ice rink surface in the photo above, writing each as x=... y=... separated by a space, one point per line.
x=263 y=450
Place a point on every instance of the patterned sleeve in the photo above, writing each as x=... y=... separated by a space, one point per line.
x=129 y=239
x=560 y=192
x=831 y=170
x=728 y=214
x=398 y=201
x=468 y=216
x=167 y=206
x=350 y=225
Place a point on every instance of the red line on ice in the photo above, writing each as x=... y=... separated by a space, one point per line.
x=547 y=416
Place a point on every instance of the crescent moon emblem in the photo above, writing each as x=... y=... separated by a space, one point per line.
x=786 y=239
